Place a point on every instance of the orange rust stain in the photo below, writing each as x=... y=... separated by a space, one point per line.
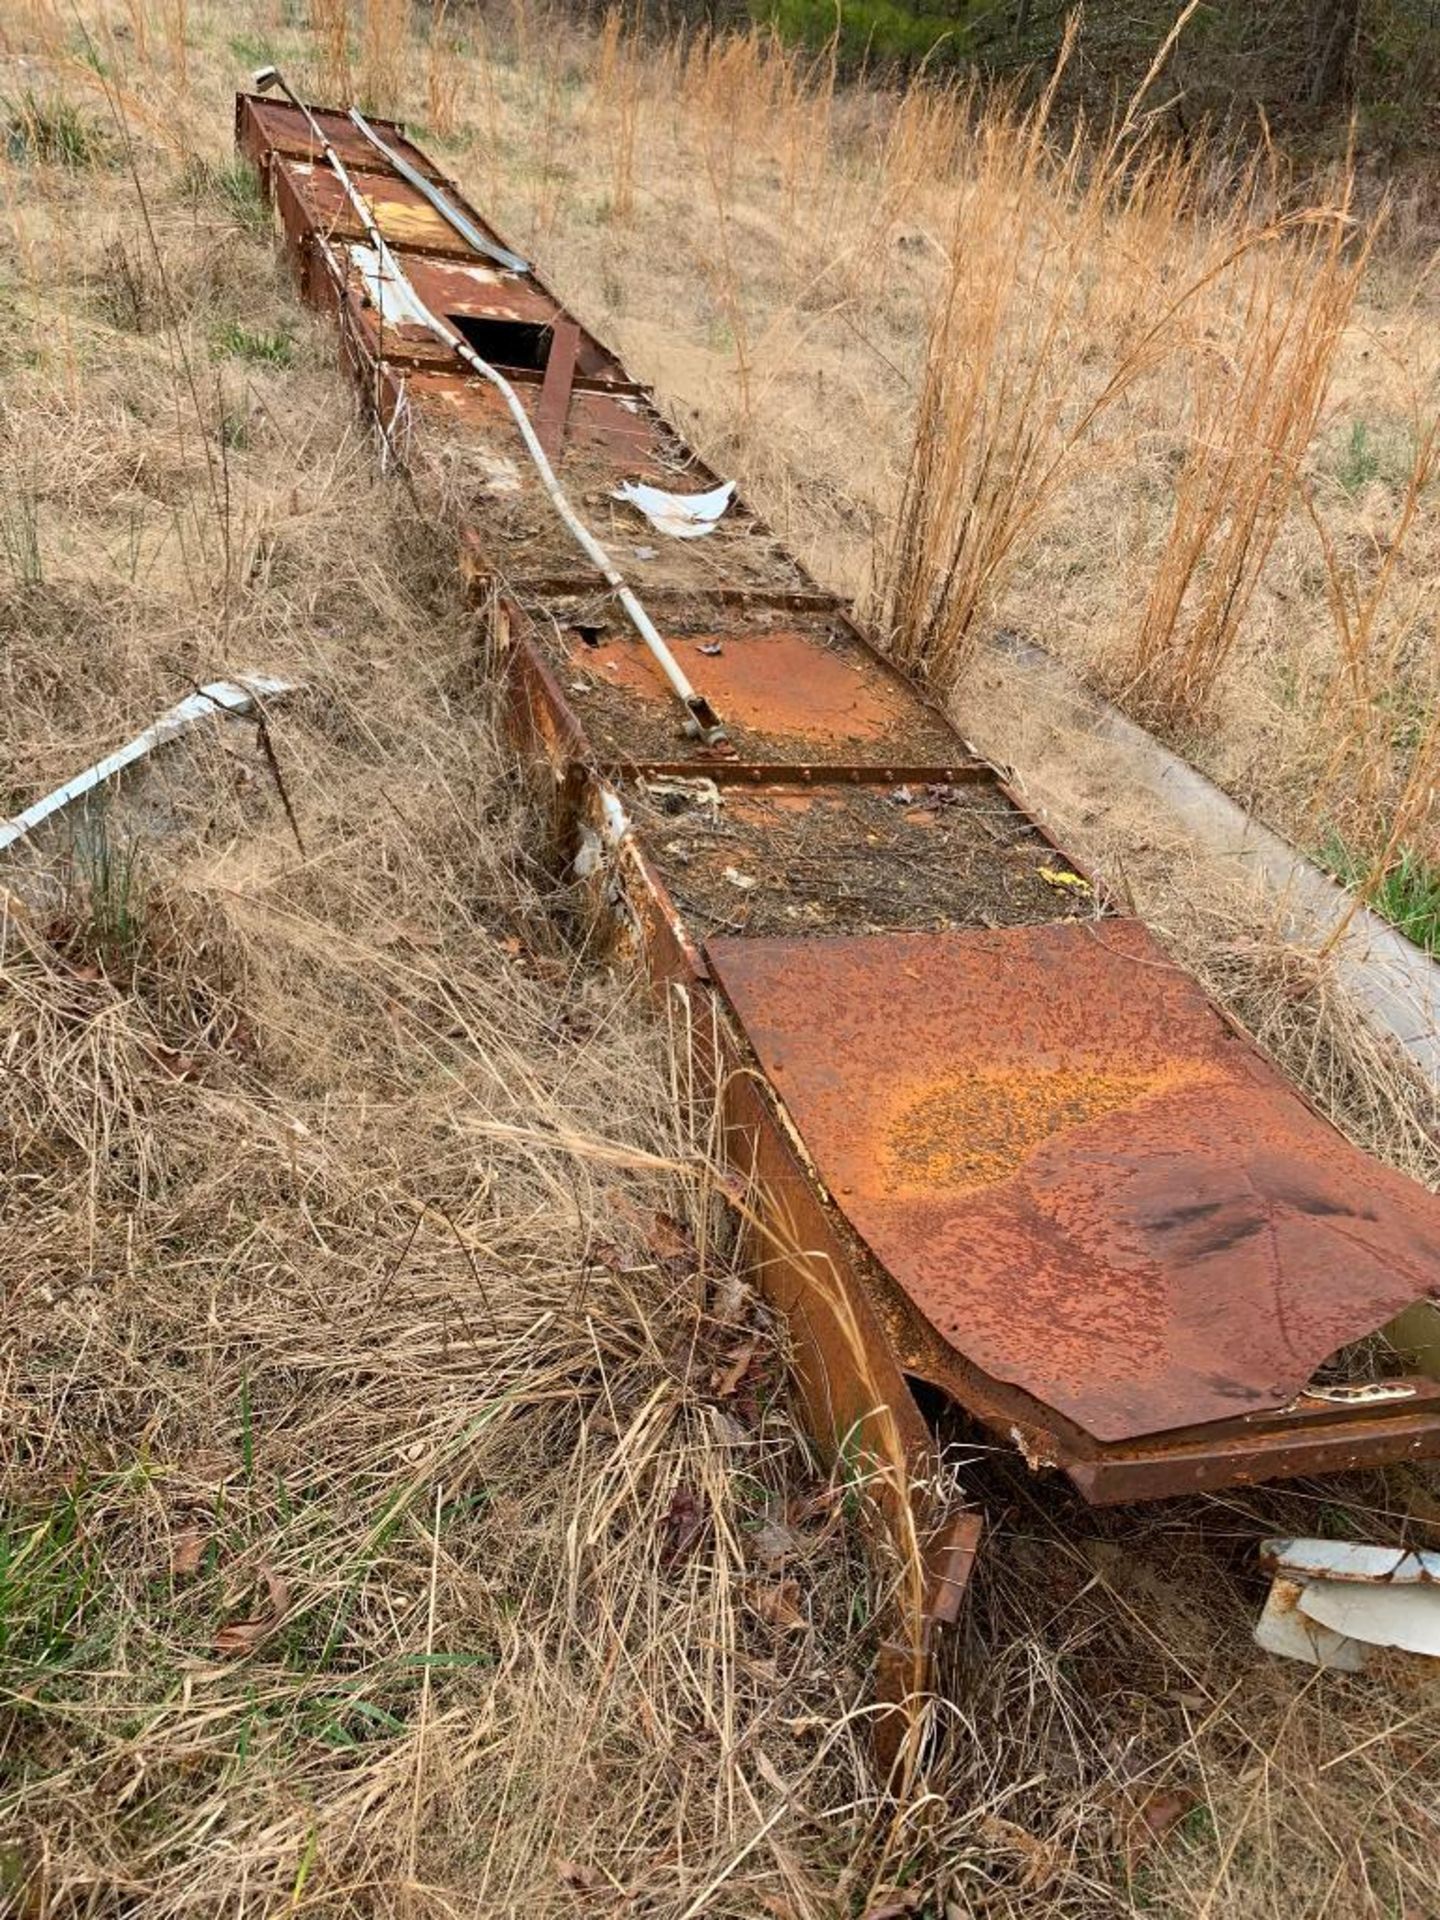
x=757 y=808
x=977 y=1130
x=780 y=681
x=597 y=423
x=626 y=435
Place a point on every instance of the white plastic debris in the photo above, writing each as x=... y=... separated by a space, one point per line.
x=684 y=516
x=394 y=300
x=1335 y=1603
x=222 y=696
x=696 y=790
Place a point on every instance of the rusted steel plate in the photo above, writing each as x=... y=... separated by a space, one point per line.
x=831 y=711
x=856 y=1398
x=554 y=407
x=616 y=428
x=630 y=908
x=1080 y=1175
x=1384 y=1436
x=791 y=686
x=508 y=320
x=402 y=213
x=264 y=126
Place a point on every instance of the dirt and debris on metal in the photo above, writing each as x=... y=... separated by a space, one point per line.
x=1048 y=1177
x=800 y=859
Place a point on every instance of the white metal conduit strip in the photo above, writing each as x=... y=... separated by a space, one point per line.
x=221 y=696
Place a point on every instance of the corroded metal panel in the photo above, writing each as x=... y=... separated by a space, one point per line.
x=1081 y=1176
x=792 y=687
x=265 y=127
x=402 y=213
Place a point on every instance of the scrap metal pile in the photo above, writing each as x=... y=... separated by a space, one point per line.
x=1002 y=1157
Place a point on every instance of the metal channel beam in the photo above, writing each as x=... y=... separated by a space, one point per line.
x=994 y=1140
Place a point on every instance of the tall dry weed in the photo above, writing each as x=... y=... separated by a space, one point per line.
x=1073 y=272
x=1384 y=626
x=175 y=21
x=137 y=15
x=444 y=73
x=1258 y=381
x=620 y=73
x=1008 y=392
x=330 y=26
x=385 y=54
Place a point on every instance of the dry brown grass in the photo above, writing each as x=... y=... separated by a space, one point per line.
x=1380 y=624
x=445 y=55
x=350 y=1304
x=358 y=1381
x=1257 y=388
x=386 y=54
x=619 y=68
x=330 y=41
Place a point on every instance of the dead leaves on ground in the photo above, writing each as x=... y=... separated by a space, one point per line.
x=1151 y=1818
x=577 y=1876
x=235 y=1638
x=1038 y=1860
x=725 y=1381
x=187 y=1552
x=685 y=1521
x=657 y=1240
x=778 y=1604
x=244 y=1636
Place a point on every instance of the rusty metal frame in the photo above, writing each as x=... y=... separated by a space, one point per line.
x=860 y=1347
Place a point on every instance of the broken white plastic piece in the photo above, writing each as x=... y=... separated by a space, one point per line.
x=1335 y=1603
x=697 y=791
x=394 y=300
x=684 y=516
x=221 y=696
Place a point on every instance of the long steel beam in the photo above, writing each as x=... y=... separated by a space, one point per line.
x=1000 y=1153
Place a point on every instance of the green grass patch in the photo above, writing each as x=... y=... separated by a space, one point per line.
x=870 y=31
x=110 y=904
x=1407 y=893
x=48 y=1578
x=1383 y=450
x=1359 y=462
x=232 y=187
x=252 y=49
x=258 y=345
x=48 y=131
